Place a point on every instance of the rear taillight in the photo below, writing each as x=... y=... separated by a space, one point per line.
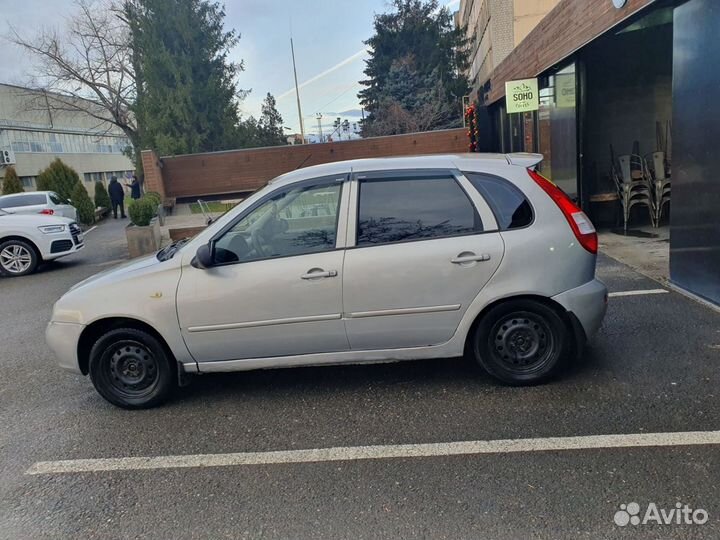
x=47 y=211
x=576 y=218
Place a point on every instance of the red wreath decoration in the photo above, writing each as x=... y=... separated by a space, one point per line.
x=471 y=122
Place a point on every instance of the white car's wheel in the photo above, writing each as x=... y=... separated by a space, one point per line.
x=17 y=258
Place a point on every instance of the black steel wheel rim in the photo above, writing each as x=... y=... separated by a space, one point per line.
x=131 y=369
x=522 y=343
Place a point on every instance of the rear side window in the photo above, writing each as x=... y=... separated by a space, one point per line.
x=512 y=210
x=30 y=199
x=406 y=209
x=55 y=198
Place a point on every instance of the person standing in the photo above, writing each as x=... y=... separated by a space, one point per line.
x=134 y=187
x=117 y=197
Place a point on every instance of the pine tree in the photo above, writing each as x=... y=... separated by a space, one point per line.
x=270 y=126
x=102 y=199
x=60 y=178
x=186 y=96
x=82 y=202
x=416 y=55
x=11 y=183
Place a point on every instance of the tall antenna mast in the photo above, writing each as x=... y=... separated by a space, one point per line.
x=297 y=92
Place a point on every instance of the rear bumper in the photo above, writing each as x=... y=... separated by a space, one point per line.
x=587 y=303
x=62 y=338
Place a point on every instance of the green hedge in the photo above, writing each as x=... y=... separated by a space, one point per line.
x=11 y=183
x=102 y=199
x=58 y=177
x=83 y=203
x=154 y=195
x=142 y=210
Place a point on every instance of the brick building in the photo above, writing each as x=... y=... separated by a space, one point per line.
x=621 y=77
x=494 y=28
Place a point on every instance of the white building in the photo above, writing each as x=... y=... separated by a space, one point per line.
x=34 y=133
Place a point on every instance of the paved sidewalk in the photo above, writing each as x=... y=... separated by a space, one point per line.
x=644 y=249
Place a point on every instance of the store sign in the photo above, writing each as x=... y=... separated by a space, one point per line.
x=521 y=96
x=565 y=90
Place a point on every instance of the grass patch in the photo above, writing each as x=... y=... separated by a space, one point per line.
x=214 y=206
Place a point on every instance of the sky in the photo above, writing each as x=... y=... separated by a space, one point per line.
x=328 y=38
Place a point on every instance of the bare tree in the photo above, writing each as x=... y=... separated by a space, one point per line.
x=88 y=67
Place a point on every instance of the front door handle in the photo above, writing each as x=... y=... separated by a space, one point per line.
x=317 y=273
x=466 y=257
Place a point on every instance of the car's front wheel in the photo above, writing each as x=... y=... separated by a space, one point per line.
x=521 y=342
x=131 y=369
x=17 y=258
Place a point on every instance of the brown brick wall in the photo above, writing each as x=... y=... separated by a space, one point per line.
x=153 y=180
x=569 y=26
x=244 y=170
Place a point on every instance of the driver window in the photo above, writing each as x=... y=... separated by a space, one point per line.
x=295 y=221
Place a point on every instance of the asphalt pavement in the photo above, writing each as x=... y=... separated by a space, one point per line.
x=654 y=368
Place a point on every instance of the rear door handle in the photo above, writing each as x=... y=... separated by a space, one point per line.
x=317 y=273
x=463 y=259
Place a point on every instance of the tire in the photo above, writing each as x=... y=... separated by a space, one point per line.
x=18 y=258
x=521 y=342
x=131 y=369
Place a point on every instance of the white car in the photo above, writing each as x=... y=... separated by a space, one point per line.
x=28 y=240
x=38 y=202
x=357 y=261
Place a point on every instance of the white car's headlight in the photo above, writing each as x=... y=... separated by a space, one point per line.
x=50 y=229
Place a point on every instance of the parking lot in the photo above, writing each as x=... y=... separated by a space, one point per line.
x=654 y=368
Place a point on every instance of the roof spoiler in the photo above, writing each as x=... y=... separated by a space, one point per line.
x=524 y=159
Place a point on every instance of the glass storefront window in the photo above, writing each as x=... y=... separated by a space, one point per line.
x=550 y=131
x=557 y=129
x=529 y=136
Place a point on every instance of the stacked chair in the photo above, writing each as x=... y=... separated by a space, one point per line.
x=639 y=185
x=634 y=186
x=661 y=185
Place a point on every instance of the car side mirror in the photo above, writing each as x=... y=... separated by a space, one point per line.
x=203 y=257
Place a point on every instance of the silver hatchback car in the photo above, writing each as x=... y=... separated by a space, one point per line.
x=350 y=262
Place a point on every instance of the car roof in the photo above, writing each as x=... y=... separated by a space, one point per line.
x=431 y=161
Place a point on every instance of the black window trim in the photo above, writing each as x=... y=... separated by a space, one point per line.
x=59 y=198
x=411 y=174
x=492 y=206
x=341 y=178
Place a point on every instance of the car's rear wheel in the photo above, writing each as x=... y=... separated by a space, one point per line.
x=17 y=258
x=131 y=369
x=521 y=342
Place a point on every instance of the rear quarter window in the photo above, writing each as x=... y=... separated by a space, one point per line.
x=511 y=208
